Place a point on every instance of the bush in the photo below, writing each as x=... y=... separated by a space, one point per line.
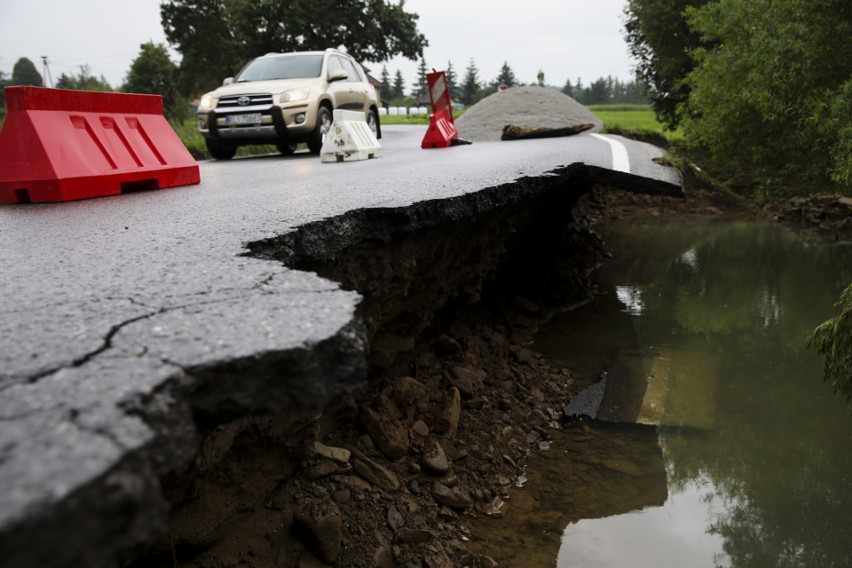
x=833 y=340
x=774 y=96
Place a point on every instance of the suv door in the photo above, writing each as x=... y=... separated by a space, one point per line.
x=340 y=91
x=347 y=95
x=359 y=84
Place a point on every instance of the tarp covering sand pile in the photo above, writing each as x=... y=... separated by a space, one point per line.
x=525 y=107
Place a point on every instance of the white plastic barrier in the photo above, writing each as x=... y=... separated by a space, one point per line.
x=349 y=139
x=422 y=110
x=383 y=111
x=393 y=111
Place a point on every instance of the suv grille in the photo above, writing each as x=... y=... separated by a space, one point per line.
x=233 y=101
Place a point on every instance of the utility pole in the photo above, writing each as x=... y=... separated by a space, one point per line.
x=46 y=71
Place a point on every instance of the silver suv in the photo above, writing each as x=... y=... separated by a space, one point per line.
x=285 y=99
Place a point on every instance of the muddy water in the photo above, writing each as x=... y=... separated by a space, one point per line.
x=727 y=448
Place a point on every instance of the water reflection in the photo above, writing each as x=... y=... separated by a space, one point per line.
x=588 y=473
x=701 y=330
x=674 y=535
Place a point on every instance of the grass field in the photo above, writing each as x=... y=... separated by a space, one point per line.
x=626 y=119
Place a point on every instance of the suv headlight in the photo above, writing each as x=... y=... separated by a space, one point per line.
x=206 y=103
x=294 y=95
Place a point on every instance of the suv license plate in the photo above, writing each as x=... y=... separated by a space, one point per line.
x=251 y=118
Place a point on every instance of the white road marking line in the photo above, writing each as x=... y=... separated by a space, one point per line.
x=620 y=159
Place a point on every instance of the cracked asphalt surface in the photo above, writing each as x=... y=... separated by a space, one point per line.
x=109 y=303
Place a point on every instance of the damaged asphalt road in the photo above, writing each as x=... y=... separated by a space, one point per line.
x=127 y=320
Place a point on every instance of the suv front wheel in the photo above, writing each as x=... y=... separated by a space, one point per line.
x=320 y=130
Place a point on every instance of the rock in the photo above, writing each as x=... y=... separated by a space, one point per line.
x=319 y=450
x=320 y=524
x=495 y=508
x=447 y=345
x=450 y=497
x=413 y=536
x=448 y=419
x=434 y=459
x=395 y=520
x=385 y=407
x=467 y=380
x=484 y=562
x=383 y=557
x=375 y=473
x=453 y=452
x=320 y=470
x=356 y=483
x=342 y=496
x=446 y=513
x=408 y=394
x=390 y=436
x=420 y=428
x=526 y=357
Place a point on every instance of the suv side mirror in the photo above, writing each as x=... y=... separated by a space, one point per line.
x=227 y=81
x=338 y=75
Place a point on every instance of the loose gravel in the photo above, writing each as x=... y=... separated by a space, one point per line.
x=527 y=107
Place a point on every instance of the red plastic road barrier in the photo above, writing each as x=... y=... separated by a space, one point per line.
x=60 y=145
x=442 y=129
x=441 y=132
x=439 y=92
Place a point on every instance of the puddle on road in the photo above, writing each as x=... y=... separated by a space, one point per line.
x=737 y=453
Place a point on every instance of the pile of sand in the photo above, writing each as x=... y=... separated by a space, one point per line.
x=527 y=107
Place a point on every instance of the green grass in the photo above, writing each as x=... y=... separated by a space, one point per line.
x=636 y=120
x=405 y=119
x=414 y=118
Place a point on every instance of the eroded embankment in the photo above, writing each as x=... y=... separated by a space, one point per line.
x=452 y=291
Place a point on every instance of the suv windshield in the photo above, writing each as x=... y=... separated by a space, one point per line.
x=283 y=67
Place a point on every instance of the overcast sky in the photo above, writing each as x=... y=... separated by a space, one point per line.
x=564 y=38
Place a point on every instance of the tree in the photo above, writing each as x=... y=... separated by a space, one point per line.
x=154 y=73
x=506 y=76
x=660 y=39
x=470 y=84
x=774 y=97
x=598 y=93
x=398 y=90
x=25 y=73
x=420 y=88
x=216 y=37
x=568 y=89
x=833 y=340
x=540 y=78
x=452 y=82
x=4 y=81
x=386 y=84
x=83 y=81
